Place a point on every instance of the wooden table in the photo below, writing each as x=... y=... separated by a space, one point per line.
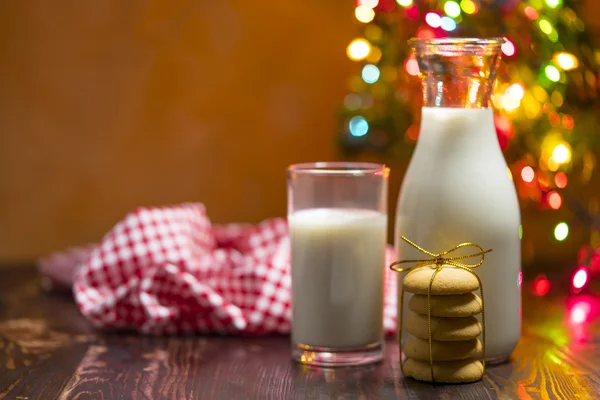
x=49 y=351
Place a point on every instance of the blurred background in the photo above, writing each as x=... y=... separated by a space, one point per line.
x=109 y=105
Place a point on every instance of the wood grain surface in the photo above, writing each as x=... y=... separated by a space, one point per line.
x=48 y=351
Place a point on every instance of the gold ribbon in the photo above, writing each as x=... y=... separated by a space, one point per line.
x=438 y=261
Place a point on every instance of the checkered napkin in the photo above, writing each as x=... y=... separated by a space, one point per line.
x=167 y=270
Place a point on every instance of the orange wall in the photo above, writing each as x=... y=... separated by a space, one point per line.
x=107 y=105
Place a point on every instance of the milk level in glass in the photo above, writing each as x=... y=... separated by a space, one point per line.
x=338 y=258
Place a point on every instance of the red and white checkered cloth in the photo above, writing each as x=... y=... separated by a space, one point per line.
x=167 y=270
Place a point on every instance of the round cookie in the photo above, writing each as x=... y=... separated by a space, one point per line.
x=418 y=349
x=443 y=329
x=449 y=280
x=454 y=305
x=462 y=371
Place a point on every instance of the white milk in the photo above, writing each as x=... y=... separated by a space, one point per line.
x=338 y=264
x=457 y=189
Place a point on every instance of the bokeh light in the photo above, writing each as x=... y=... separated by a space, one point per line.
x=561 y=154
x=552 y=73
x=364 y=14
x=352 y=101
x=568 y=121
x=554 y=200
x=374 y=55
x=561 y=231
x=579 y=312
x=520 y=279
x=368 y=3
x=521 y=231
x=516 y=90
x=510 y=102
x=545 y=26
x=530 y=12
x=425 y=33
x=433 y=19
x=468 y=6
x=412 y=133
x=566 y=61
x=508 y=48
x=452 y=9
x=404 y=3
x=448 y=24
x=580 y=278
x=541 y=285
x=411 y=66
x=560 y=179
x=370 y=73
x=557 y=100
x=412 y=12
x=358 y=49
x=553 y=3
x=527 y=174
x=358 y=126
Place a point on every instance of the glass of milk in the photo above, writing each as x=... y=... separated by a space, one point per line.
x=337 y=214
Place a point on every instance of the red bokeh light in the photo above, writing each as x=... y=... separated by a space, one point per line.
x=580 y=278
x=541 y=285
x=411 y=66
x=530 y=12
x=568 y=122
x=412 y=133
x=527 y=174
x=560 y=179
x=580 y=312
x=387 y=5
x=554 y=200
x=412 y=12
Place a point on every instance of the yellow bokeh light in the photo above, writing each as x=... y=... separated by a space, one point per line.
x=468 y=6
x=358 y=49
x=531 y=107
x=510 y=102
x=566 y=61
x=364 y=14
x=404 y=3
x=545 y=26
x=557 y=99
x=561 y=154
x=373 y=33
x=539 y=93
x=516 y=90
x=374 y=55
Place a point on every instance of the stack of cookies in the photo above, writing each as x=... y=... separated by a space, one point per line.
x=454 y=327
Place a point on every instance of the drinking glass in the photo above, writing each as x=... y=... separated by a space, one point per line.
x=337 y=214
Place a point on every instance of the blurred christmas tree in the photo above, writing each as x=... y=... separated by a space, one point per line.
x=545 y=100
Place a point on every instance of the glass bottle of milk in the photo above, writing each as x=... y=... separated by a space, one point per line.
x=457 y=187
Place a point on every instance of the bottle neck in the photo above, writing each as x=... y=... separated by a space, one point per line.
x=452 y=91
x=457 y=73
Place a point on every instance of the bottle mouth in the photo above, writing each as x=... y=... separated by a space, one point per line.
x=457 y=45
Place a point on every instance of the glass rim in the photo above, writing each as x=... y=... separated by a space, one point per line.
x=462 y=42
x=339 y=168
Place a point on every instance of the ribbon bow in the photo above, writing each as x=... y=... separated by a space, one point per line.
x=438 y=260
